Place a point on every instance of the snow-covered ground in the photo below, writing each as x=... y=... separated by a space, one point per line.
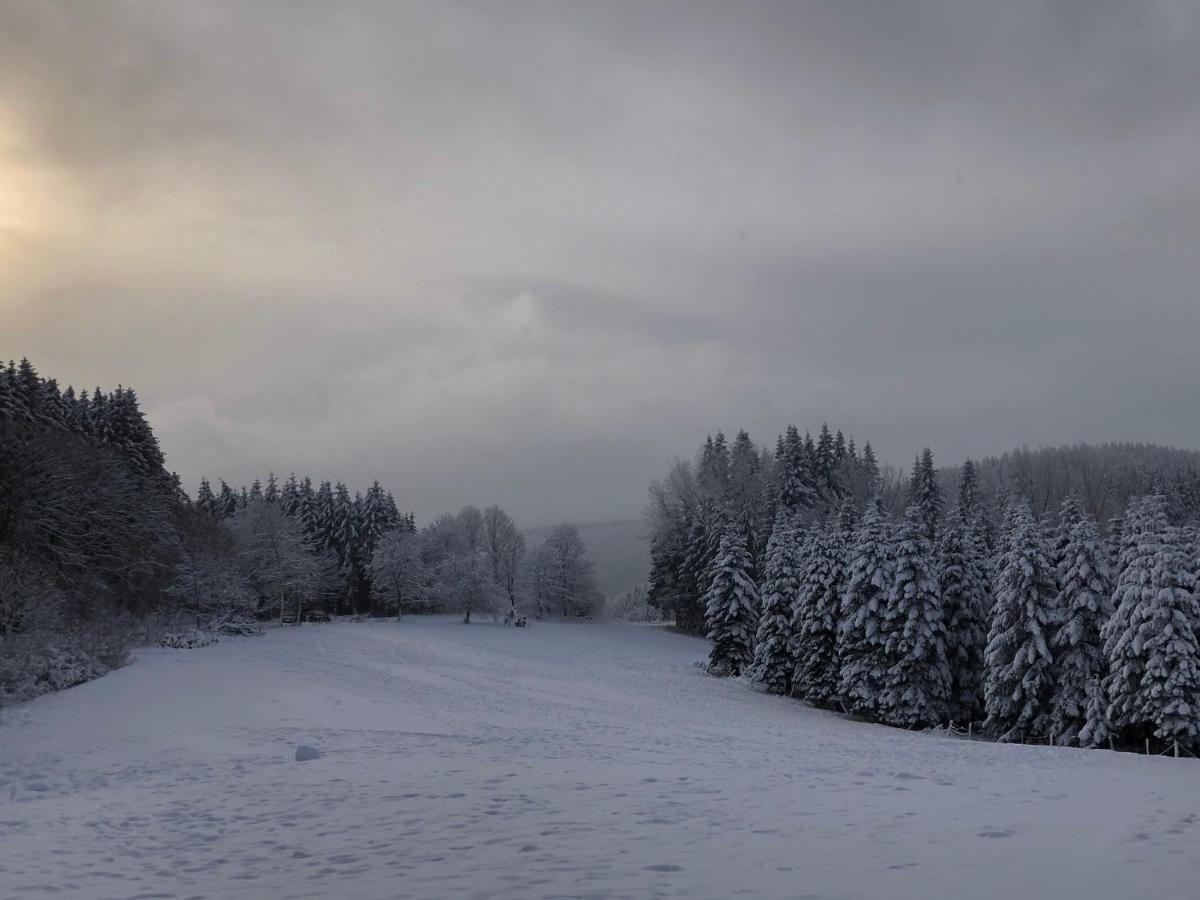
x=560 y=760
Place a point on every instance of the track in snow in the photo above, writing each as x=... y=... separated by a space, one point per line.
x=560 y=760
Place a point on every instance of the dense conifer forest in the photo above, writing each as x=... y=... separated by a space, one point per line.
x=1044 y=595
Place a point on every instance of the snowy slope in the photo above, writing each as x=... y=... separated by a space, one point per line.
x=562 y=760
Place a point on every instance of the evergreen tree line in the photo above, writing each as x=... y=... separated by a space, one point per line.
x=89 y=529
x=1033 y=628
x=343 y=529
x=89 y=516
x=688 y=509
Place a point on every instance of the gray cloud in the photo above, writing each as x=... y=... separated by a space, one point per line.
x=529 y=252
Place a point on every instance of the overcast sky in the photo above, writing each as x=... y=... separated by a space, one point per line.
x=528 y=253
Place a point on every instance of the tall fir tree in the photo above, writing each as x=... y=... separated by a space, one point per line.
x=817 y=673
x=795 y=485
x=917 y=685
x=772 y=666
x=870 y=469
x=925 y=493
x=731 y=606
x=824 y=463
x=1112 y=546
x=968 y=492
x=271 y=491
x=227 y=502
x=696 y=561
x=862 y=631
x=966 y=602
x=1070 y=514
x=205 y=501
x=1019 y=665
x=1078 y=650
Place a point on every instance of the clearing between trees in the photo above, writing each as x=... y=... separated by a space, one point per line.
x=561 y=760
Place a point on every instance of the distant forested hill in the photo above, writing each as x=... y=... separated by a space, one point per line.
x=1103 y=476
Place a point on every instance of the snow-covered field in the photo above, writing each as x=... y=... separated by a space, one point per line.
x=561 y=760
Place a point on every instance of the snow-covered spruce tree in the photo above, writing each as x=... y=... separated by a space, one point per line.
x=700 y=552
x=917 y=683
x=965 y=605
x=968 y=492
x=795 y=486
x=1153 y=682
x=1096 y=731
x=862 y=633
x=925 y=493
x=816 y=616
x=1019 y=667
x=772 y=666
x=1112 y=546
x=731 y=606
x=1078 y=650
x=1070 y=514
x=1146 y=513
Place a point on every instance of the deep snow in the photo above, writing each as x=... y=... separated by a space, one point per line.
x=559 y=760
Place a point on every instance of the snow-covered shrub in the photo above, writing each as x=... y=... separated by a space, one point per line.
x=187 y=640
x=236 y=626
x=37 y=663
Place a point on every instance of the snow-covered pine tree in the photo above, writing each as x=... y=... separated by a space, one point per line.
x=794 y=481
x=1077 y=648
x=1153 y=681
x=925 y=493
x=862 y=635
x=917 y=678
x=289 y=496
x=870 y=467
x=1143 y=514
x=823 y=463
x=713 y=469
x=968 y=492
x=205 y=501
x=745 y=496
x=1096 y=731
x=271 y=491
x=731 y=606
x=1070 y=514
x=699 y=552
x=772 y=666
x=1112 y=546
x=966 y=600
x=1019 y=666
x=817 y=673
x=227 y=502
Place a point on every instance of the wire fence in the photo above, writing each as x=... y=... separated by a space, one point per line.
x=1149 y=746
